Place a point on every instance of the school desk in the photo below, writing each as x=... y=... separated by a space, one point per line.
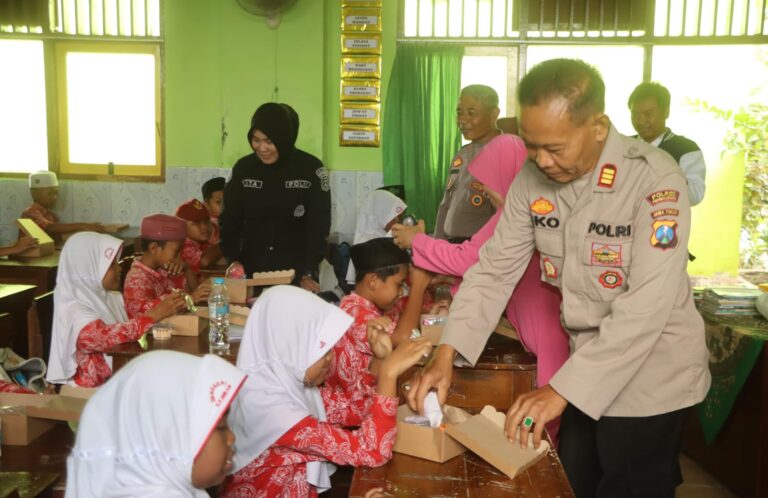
x=40 y=272
x=466 y=475
x=16 y=300
x=46 y=455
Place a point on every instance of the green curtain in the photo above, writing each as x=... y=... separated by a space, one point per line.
x=420 y=136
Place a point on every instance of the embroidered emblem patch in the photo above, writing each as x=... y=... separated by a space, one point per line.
x=322 y=174
x=542 y=206
x=549 y=268
x=477 y=200
x=664 y=234
x=299 y=211
x=196 y=204
x=108 y=253
x=664 y=212
x=218 y=392
x=607 y=176
x=663 y=196
x=457 y=162
x=606 y=254
x=610 y=279
x=251 y=183
x=398 y=209
x=322 y=344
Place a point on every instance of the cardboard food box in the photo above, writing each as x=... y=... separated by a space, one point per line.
x=25 y=417
x=425 y=442
x=484 y=435
x=238 y=315
x=241 y=289
x=44 y=241
x=187 y=324
x=506 y=329
x=432 y=327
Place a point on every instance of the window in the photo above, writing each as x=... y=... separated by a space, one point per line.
x=84 y=92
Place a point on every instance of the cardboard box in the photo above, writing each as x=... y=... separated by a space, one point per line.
x=25 y=417
x=238 y=315
x=425 y=442
x=241 y=289
x=187 y=324
x=432 y=327
x=484 y=435
x=506 y=329
x=44 y=241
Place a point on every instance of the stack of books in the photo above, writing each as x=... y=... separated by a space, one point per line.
x=736 y=301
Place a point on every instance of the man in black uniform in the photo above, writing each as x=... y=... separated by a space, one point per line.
x=277 y=206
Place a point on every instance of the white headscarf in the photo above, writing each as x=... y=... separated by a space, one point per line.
x=141 y=432
x=80 y=298
x=287 y=331
x=379 y=208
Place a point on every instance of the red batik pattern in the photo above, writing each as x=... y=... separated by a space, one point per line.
x=10 y=387
x=96 y=338
x=40 y=215
x=144 y=288
x=191 y=253
x=281 y=470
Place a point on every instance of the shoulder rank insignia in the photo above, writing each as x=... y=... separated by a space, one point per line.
x=664 y=234
x=607 y=176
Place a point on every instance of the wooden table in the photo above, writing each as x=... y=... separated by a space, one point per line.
x=466 y=475
x=16 y=299
x=502 y=373
x=40 y=272
x=46 y=454
x=198 y=346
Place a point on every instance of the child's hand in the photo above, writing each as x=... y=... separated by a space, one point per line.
x=378 y=338
x=405 y=356
x=202 y=292
x=172 y=304
x=175 y=267
x=420 y=278
x=25 y=242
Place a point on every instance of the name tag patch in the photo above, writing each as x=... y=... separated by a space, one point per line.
x=545 y=221
x=663 y=196
x=298 y=184
x=664 y=234
x=664 y=212
x=610 y=230
x=606 y=254
x=250 y=183
x=610 y=279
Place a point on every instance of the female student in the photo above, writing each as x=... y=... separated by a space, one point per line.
x=158 y=428
x=534 y=308
x=290 y=431
x=89 y=315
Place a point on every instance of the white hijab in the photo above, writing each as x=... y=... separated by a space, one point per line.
x=141 y=432
x=287 y=331
x=80 y=298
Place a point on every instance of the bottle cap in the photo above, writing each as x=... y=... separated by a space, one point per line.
x=218 y=280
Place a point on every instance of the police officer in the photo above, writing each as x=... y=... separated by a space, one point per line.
x=610 y=216
x=277 y=206
x=464 y=208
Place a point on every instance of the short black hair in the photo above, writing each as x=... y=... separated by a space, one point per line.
x=651 y=89
x=213 y=185
x=483 y=94
x=575 y=80
x=146 y=242
x=383 y=273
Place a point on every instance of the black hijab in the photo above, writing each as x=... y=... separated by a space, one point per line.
x=280 y=123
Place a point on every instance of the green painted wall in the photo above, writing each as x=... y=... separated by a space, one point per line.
x=221 y=63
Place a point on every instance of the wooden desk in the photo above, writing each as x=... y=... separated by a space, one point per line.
x=16 y=300
x=48 y=453
x=198 y=346
x=40 y=272
x=503 y=372
x=467 y=475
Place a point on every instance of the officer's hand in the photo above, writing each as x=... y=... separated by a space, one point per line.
x=403 y=235
x=437 y=374
x=308 y=283
x=541 y=405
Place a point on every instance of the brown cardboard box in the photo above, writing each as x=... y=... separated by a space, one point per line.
x=506 y=329
x=238 y=315
x=425 y=442
x=484 y=435
x=432 y=327
x=187 y=324
x=44 y=241
x=25 y=417
x=241 y=289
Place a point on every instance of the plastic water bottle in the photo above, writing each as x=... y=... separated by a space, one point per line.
x=218 y=314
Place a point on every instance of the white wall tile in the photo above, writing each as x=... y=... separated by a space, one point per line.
x=343 y=203
x=367 y=181
x=130 y=202
x=166 y=197
x=8 y=233
x=195 y=179
x=14 y=198
x=92 y=201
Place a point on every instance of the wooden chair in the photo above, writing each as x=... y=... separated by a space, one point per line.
x=40 y=326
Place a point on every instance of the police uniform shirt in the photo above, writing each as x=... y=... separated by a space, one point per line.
x=615 y=243
x=463 y=209
x=277 y=216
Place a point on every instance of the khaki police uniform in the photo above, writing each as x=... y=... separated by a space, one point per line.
x=464 y=208
x=615 y=243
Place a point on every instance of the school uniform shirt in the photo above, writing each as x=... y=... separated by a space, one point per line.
x=191 y=252
x=691 y=160
x=353 y=352
x=10 y=387
x=144 y=288
x=614 y=241
x=281 y=470
x=463 y=209
x=277 y=216
x=40 y=215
